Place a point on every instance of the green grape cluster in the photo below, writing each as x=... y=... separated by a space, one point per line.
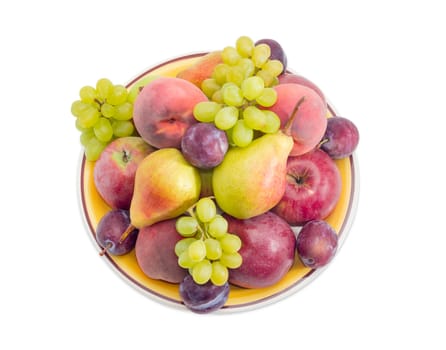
x=207 y=249
x=103 y=113
x=237 y=88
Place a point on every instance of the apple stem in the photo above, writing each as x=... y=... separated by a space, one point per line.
x=287 y=128
x=127 y=231
x=107 y=247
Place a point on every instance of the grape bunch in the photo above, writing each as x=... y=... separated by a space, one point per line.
x=207 y=249
x=239 y=85
x=103 y=113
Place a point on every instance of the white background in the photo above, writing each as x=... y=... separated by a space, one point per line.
x=381 y=63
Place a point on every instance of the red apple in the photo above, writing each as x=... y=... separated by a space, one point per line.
x=114 y=171
x=312 y=190
x=163 y=111
x=268 y=249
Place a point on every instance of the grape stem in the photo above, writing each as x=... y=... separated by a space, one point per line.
x=127 y=231
x=287 y=128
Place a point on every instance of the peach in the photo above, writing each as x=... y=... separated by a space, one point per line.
x=202 y=69
x=163 y=111
x=299 y=79
x=310 y=122
x=155 y=252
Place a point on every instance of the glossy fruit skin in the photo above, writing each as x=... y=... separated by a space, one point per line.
x=110 y=229
x=114 y=171
x=341 y=138
x=316 y=244
x=268 y=249
x=203 y=298
x=204 y=146
x=290 y=78
x=155 y=252
x=309 y=124
x=313 y=188
x=163 y=111
x=277 y=52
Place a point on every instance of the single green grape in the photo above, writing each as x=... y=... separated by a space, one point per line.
x=219 y=73
x=267 y=98
x=88 y=117
x=124 y=111
x=252 y=87
x=213 y=248
x=267 y=77
x=242 y=135
x=123 y=128
x=247 y=67
x=209 y=86
x=85 y=136
x=235 y=75
x=103 y=87
x=220 y=273
x=272 y=122
x=232 y=95
x=218 y=96
x=231 y=260
x=87 y=94
x=230 y=243
x=206 y=111
x=184 y=259
x=275 y=67
x=103 y=130
x=94 y=148
x=186 y=226
x=254 y=118
x=206 y=209
x=117 y=95
x=226 y=117
x=197 y=250
x=260 y=54
x=218 y=226
x=77 y=107
x=182 y=245
x=244 y=45
x=107 y=110
x=230 y=55
x=202 y=271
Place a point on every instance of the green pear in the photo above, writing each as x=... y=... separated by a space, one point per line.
x=251 y=180
x=166 y=185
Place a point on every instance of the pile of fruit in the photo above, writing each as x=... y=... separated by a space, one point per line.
x=208 y=174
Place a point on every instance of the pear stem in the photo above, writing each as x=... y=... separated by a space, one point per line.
x=127 y=231
x=104 y=250
x=287 y=128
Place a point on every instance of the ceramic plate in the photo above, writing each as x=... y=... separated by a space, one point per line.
x=93 y=208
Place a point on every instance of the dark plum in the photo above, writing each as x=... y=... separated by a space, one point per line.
x=316 y=243
x=277 y=52
x=203 y=298
x=111 y=228
x=204 y=146
x=341 y=138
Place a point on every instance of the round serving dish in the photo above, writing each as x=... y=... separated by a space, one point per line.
x=93 y=208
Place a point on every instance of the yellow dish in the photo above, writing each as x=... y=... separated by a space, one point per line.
x=93 y=208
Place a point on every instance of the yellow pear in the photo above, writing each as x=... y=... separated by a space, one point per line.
x=251 y=180
x=166 y=185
